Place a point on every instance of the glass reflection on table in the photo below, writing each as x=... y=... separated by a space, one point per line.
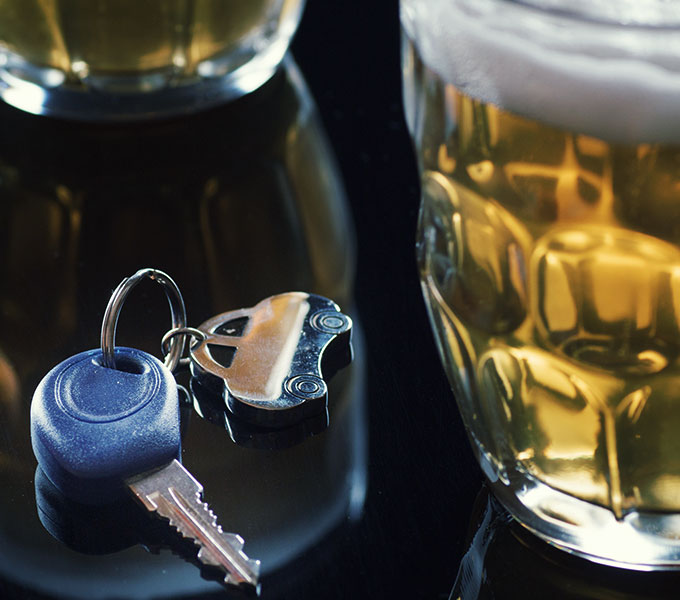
x=504 y=560
x=237 y=203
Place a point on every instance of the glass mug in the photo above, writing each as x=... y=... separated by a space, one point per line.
x=548 y=139
x=122 y=59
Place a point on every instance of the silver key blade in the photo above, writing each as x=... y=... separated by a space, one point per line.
x=174 y=494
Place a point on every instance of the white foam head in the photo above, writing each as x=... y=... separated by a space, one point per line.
x=613 y=81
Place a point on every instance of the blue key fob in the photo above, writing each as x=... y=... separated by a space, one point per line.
x=94 y=426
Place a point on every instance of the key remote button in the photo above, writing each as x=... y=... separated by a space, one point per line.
x=74 y=384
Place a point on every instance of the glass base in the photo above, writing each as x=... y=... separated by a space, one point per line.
x=639 y=541
x=45 y=91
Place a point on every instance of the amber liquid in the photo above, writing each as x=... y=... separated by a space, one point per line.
x=550 y=262
x=110 y=37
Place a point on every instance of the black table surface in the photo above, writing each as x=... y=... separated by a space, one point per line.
x=298 y=186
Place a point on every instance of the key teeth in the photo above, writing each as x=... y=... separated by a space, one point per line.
x=206 y=557
x=172 y=506
x=235 y=540
x=253 y=567
x=178 y=525
x=212 y=518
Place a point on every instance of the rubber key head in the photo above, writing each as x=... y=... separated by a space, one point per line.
x=92 y=427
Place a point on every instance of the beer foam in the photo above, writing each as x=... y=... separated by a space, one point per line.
x=619 y=83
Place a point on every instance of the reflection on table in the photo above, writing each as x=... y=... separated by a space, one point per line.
x=504 y=560
x=238 y=203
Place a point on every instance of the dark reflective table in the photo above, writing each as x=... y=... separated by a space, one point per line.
x=308 y=183
x=237 y=204
x=504 y=560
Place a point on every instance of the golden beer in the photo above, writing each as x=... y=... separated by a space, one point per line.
x=139 y=46
x=550 y=263
x=117 y=36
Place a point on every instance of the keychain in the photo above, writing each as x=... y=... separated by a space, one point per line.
x=108 y=419
x=268 y=362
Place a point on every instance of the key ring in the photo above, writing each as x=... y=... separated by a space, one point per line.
x=184 y=332
x=177 y=312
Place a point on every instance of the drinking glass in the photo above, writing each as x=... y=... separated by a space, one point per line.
x=548 y=140
x=127 y=59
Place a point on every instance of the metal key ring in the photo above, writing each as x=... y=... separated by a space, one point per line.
x=185 y=332
x=177 y=312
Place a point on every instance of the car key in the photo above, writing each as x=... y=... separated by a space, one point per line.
x=97 y=430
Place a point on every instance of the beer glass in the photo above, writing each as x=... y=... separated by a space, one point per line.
x=548 y=140
x=126 y=59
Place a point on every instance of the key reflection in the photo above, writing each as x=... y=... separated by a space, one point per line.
x=112 y=527
x=503 y=560
x=86 y=528
x=237 y=204
x=212 y=407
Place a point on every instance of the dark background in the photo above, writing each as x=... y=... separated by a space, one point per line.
x=420 y=513
x=422 y=476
